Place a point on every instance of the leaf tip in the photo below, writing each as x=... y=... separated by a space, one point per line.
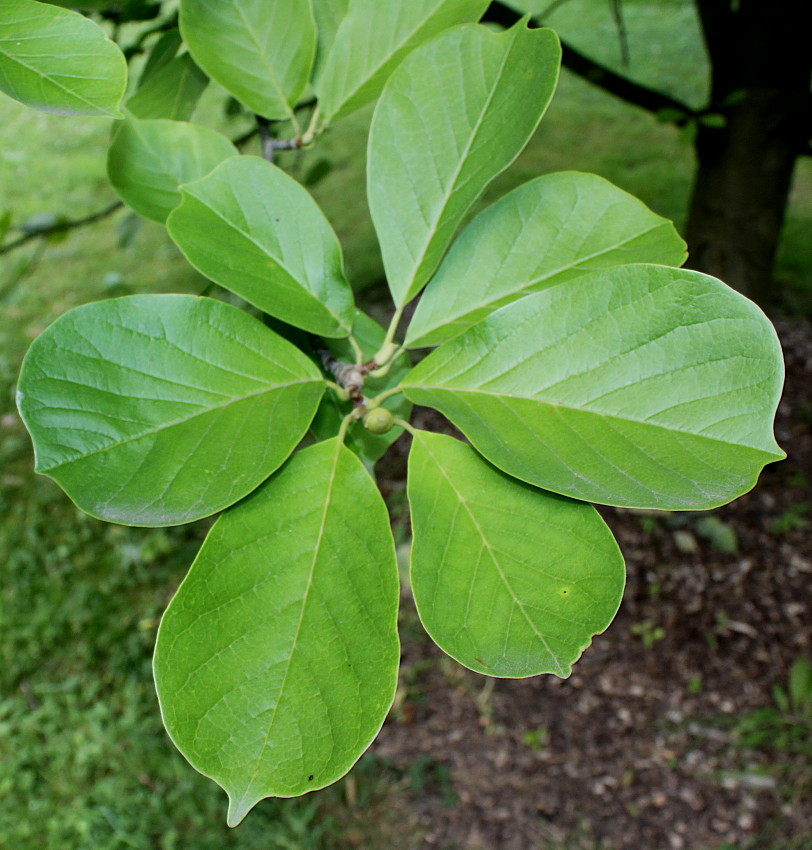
x=238 y=808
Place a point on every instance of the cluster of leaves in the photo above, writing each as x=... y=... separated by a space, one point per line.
x=580 y=361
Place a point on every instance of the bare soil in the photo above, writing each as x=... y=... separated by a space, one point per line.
x=639 y=748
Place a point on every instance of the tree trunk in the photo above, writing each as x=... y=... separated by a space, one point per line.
x=760 y=83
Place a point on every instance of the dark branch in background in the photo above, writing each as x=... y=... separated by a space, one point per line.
x=667 y=108
x=60 y=227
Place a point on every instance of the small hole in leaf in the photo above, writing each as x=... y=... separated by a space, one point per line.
x=565 y=591
x=310 y=778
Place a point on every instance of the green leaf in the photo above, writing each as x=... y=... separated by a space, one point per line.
x=455 y=113
x=171 y=92
x=328 y=14
x=369 y=447
x=508 y=580
x=162 y=53
x=374 y=38
x=260 y=52
x=161 y=409
x=549 y=230
x=5 y=224
x=641 y=386
x=148 y=160
x=276 y=662
x=800 y=684
x=251 y=228
x=59 y=61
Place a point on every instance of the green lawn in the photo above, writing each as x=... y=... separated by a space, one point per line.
x=84 y=762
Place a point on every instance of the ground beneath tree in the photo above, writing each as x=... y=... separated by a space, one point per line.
x=639 y=748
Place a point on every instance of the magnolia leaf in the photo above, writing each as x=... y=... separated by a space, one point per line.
x=148 y=160
x=454 y=114
x=162 y=53
x=161 y=409
x=369 y=447
x=251 y=228
x=328 y=15
x=508 y=580
x=373 y=39
x=549 y=230
x=59 y=61
x=641 y=386
x=5 y=224
x=260 y=52
x=276 y=662
x=171 y=92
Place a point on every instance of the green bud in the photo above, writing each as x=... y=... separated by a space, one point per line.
x=378 y=421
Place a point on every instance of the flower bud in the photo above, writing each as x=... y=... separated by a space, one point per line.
x=378 y=421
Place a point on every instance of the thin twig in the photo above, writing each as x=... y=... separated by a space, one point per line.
x=349 y=376
x=266 y=138
x=622 y=33
x=60 y=227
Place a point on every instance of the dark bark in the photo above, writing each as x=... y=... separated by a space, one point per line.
x=760 y=83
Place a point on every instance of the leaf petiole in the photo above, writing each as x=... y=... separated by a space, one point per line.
x=359 y=355
x=406 y=426
x=389 y=350
x=372 y=403
x=340 y=391
x=345 y=423
x=313 y=130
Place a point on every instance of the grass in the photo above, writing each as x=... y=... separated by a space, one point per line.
x=84 y=761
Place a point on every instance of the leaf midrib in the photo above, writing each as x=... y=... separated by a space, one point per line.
x=458 y=170
x=316 y=552
x=494 y=560
x=375 y=68
x=297 y=285
x=527 y=288
x=274 y=77
x=73 y=94
x=600 y=414
x=182 y=421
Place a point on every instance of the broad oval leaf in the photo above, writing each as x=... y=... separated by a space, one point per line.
x=162 y=409
x=328 y=15
x=508 y=580
x=455 y=113
x=641 y=386
x=254 y=230
x=260 y=52
x=59 y=61
x=172 y=91
x=276 y=662
x=369 y=447
x=374 y=38
x=149 y=160
x=549 y=230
